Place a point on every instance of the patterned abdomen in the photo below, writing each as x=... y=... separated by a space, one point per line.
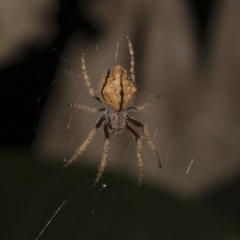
x=117 y=90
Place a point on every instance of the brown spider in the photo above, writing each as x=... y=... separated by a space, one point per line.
x=117 y=91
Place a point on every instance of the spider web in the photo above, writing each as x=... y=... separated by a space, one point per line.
x=53 y=203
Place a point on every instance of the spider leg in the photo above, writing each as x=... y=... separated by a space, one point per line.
x=104 y=155
x=87 y=80
x=148 y=136
x=85 y=144
x=132 y=63
x=139 y=152
x=144 y=106
x=86 y=108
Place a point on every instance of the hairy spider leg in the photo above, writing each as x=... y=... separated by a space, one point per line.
x=105 y=153
x=139 y=152
x=144 y=106
x=85 y=144
x=132 y=62
x=148 y=136
x=86 y=108
x=87 y=79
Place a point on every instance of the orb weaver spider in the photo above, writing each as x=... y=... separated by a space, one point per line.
x=116 y=91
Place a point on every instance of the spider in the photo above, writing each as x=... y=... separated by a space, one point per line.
x=116 y=91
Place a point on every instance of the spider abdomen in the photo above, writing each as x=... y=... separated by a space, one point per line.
x=117 y=90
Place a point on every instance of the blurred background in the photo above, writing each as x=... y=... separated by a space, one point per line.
x=187 y=51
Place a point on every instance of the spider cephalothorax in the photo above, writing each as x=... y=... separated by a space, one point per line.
x=116 y=121
x=117 y=91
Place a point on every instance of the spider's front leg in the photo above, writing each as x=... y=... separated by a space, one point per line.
x=139 y=152
x=105 y=153
x=85 y=144
x=149 y=140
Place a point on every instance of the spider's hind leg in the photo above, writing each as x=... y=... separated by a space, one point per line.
x=132 y=62
x=87 y=79
x=144 y=106
x=86 y=108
